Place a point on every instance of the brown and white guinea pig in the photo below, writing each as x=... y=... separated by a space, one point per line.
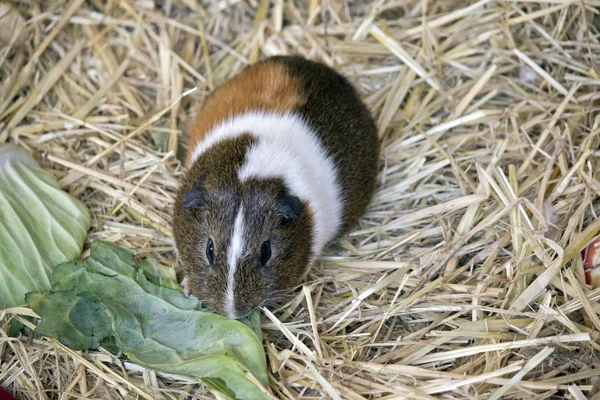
x=282 y=160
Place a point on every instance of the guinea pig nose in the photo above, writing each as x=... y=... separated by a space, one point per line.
x=237 y=313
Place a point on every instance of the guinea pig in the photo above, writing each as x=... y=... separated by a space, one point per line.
x=282 y=159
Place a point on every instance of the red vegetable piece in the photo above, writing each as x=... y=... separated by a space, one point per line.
x=591 y=262
x=4 y=395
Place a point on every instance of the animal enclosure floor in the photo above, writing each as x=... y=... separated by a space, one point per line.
x=465 y=279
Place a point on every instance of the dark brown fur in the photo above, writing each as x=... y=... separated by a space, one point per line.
x=331 y=106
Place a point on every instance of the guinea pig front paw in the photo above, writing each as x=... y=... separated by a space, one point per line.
x=186 y=286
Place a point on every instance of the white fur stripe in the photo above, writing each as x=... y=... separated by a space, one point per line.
x=287 y=148
x=234 y=252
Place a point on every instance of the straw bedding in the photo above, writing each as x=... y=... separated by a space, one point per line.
x=465 y=278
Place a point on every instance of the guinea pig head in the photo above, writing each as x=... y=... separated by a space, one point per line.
x=239 y=245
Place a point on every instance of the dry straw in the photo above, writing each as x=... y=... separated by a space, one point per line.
x=465 y=278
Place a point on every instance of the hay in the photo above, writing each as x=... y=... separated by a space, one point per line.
x=465 y=278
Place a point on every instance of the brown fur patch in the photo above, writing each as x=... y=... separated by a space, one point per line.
x=264 y=86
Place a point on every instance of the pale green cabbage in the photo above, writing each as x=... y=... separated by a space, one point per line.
x=114 y=301
x=41 y=226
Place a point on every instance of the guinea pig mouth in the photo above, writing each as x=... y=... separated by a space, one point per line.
x=235 y=317
x=187 y=291
x=241 y=316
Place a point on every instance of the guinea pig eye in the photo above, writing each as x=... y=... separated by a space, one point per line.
x=210 y=251
x=265 y=252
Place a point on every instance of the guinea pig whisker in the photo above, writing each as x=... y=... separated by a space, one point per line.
x=266 y=302
x=277 y=295
x=271 y=301
x=208 y=308
x=282 y=292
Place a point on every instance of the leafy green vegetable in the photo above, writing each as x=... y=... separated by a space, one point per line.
x=41 y=226
x=112 y=300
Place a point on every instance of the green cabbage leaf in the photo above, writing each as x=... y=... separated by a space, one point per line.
x=41 y=226
x=136 y=308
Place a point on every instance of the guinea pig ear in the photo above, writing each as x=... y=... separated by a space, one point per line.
x=290 y=206
x=194 y=198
